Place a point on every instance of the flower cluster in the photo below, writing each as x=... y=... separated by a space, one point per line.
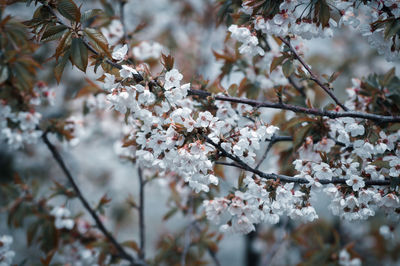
x=62 y=221
x=145 y=51
x=114 y=32
x=261 y=202
x=289 y=21
x=345 y=260
x=299 y=18
x=249 y=41
x=6 y=254
x=18 y=128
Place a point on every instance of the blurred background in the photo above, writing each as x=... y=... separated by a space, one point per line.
x=188 y=30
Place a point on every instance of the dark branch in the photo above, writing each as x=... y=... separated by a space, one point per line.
x=271 y=142
x=284 y=178
x=298 y=109
x=121 y=251
x=141 y=215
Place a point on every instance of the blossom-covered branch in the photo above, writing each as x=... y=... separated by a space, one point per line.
x=284 y=178
x=298 y=109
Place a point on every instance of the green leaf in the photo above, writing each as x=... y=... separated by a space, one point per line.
x=98 y=40
x=333 y=77
x=79 y=54
x=90 y=14
x=392 y=28
x=107 y=8
x=241 y=178
x=32 y=231
x=69 y=10
x=63 y=44
x=170 y=213
x=276 y=62
x=233 y=90
x=131 y=244
x=300 y=135
x=324 y=14
x=59 y=69
x=394 y=182
x=388 y=77
x=53 y=33
x=287 y=68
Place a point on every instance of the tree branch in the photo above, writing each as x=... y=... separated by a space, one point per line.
x=284 y=178
x=121 y=251
x=271 y=142
x=298 y=109
x=142 y=227
x=313 y=76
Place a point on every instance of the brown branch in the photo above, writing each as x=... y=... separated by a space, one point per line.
x=298 y=109
x=313 y=77
x=121 y=251
x=284 y=178
x=142 y=227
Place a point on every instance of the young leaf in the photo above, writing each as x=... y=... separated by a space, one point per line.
x=167 y=61
x=63 y=44
x=53 y=33
x=79 y=54
x=288 y=68
x=69 y=10
x=98 y=41
x=276 y=62
x=90 y=14
x=59 y=69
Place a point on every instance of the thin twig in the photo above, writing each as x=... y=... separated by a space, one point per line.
x=272 y=141
x=266 y=152
x=313 y=77
x=284 y=178
x=57 y=156
x=142 y=227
